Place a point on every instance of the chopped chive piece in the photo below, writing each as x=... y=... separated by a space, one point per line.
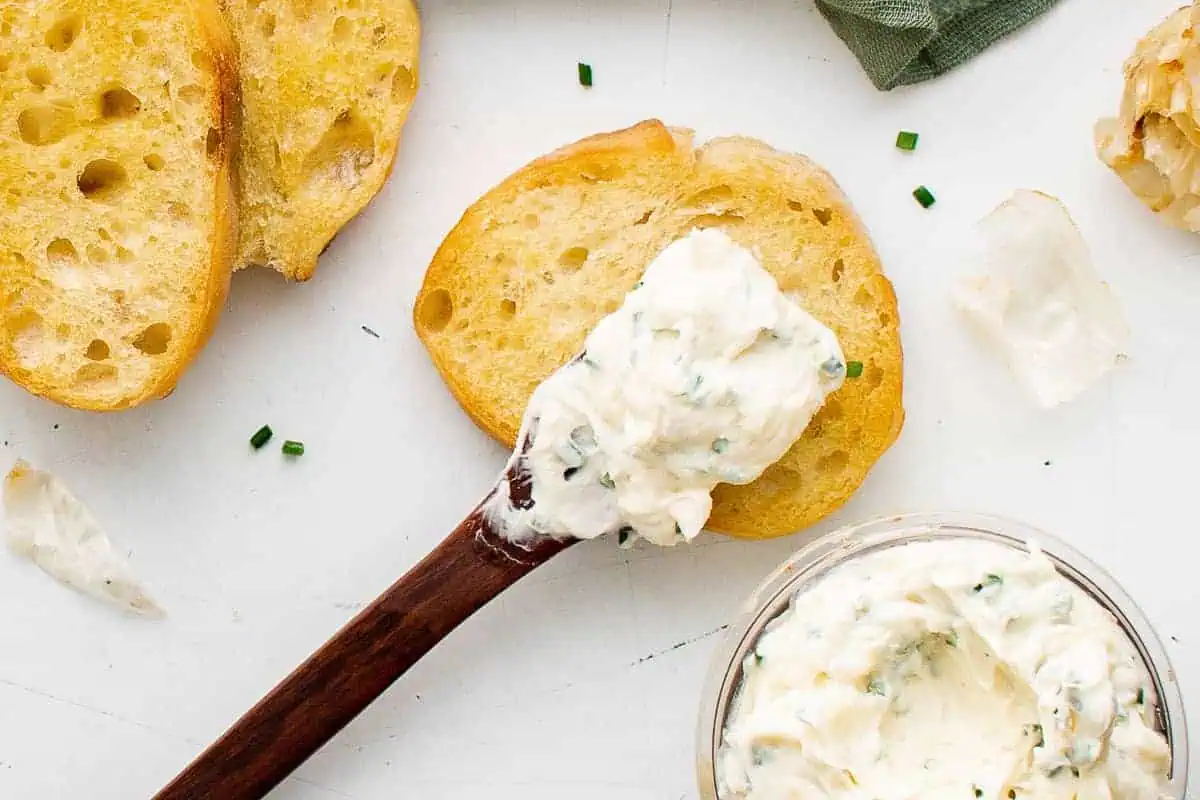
x=978 y=791
x=295 y=449
x=624 y=536
x=924 y=196
x=907 y=140
x=758 y=659
x=261 y=437
x=854 y=369
x=607 y=482
x=569 y=473
x=585 y=74
x=720 y=445
x=1141 y=697
x=991 y=579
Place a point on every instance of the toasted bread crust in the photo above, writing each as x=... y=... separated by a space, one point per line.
x=537 y=261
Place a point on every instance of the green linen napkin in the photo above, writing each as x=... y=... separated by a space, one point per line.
x=909 y=41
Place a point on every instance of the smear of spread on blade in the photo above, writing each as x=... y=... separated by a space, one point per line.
x=1039 y=302
x=45 y=523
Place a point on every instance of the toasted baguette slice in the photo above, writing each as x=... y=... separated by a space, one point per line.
x=534 y=264
x=326 y=87
x=117 y=237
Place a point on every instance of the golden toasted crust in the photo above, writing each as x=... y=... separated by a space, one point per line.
x=537 y=261
x=327 y=86
x=120 y=228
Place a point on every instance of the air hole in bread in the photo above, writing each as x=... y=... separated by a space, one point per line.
x=124 y=255
x=191 y=94
x=346 y=149
x=874 y=376
x=726 y=218
x=436 y=310
x=572 y=259
x=276 y=154
x=39 y=76
x=268 y=25
x=823 y=215
x=97 y=254
x=713 y=195
x=531 y=221
x=379 y=34
x=5 y=62
x=863 y=297
x=839 y=267
x=105 y=235
x=547 y=277
x=28 y=333
x=833 y=462
x=42 y=125
x=97 y=350
x=92 y=374
x=154 y=340
x=61 y=253
x=342 y=28
x=102 y=179
x=831 y=410
x=140 y=38
x=119 y=103
x=63 y=33
x=180 y=212
x=203 y=61
x=212 y=142
x=600 y=173
x=795 y=205
x=508 y=308
x=404 y=85
x=644 y=218
x=885 y=318
x=154 y=162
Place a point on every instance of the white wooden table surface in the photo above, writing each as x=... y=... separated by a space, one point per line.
x=571 y=685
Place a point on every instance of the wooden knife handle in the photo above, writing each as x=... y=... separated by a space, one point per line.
x=472 y=566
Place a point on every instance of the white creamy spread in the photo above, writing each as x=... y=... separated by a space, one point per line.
x=707 y=373
x=1039 y=301
x=45 y=523
x=952 y=669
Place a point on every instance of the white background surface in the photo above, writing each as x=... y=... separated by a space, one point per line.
x=551 y=692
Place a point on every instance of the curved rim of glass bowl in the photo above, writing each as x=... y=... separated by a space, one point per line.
x=816 y=558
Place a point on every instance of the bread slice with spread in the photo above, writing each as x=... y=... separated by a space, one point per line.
x=118 y=232
x=535 y=263
x=326 y=88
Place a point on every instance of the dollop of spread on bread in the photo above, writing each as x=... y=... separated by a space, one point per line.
x=706 y=374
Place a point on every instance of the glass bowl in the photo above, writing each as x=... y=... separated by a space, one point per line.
x=814 y=560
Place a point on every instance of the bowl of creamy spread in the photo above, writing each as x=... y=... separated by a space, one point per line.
x=941 y=656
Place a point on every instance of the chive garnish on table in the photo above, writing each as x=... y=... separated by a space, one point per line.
x=924 y=196
x=261 y=437
x=585 y=74
x=292 y=448
x=854 y=369
x=907 y=140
